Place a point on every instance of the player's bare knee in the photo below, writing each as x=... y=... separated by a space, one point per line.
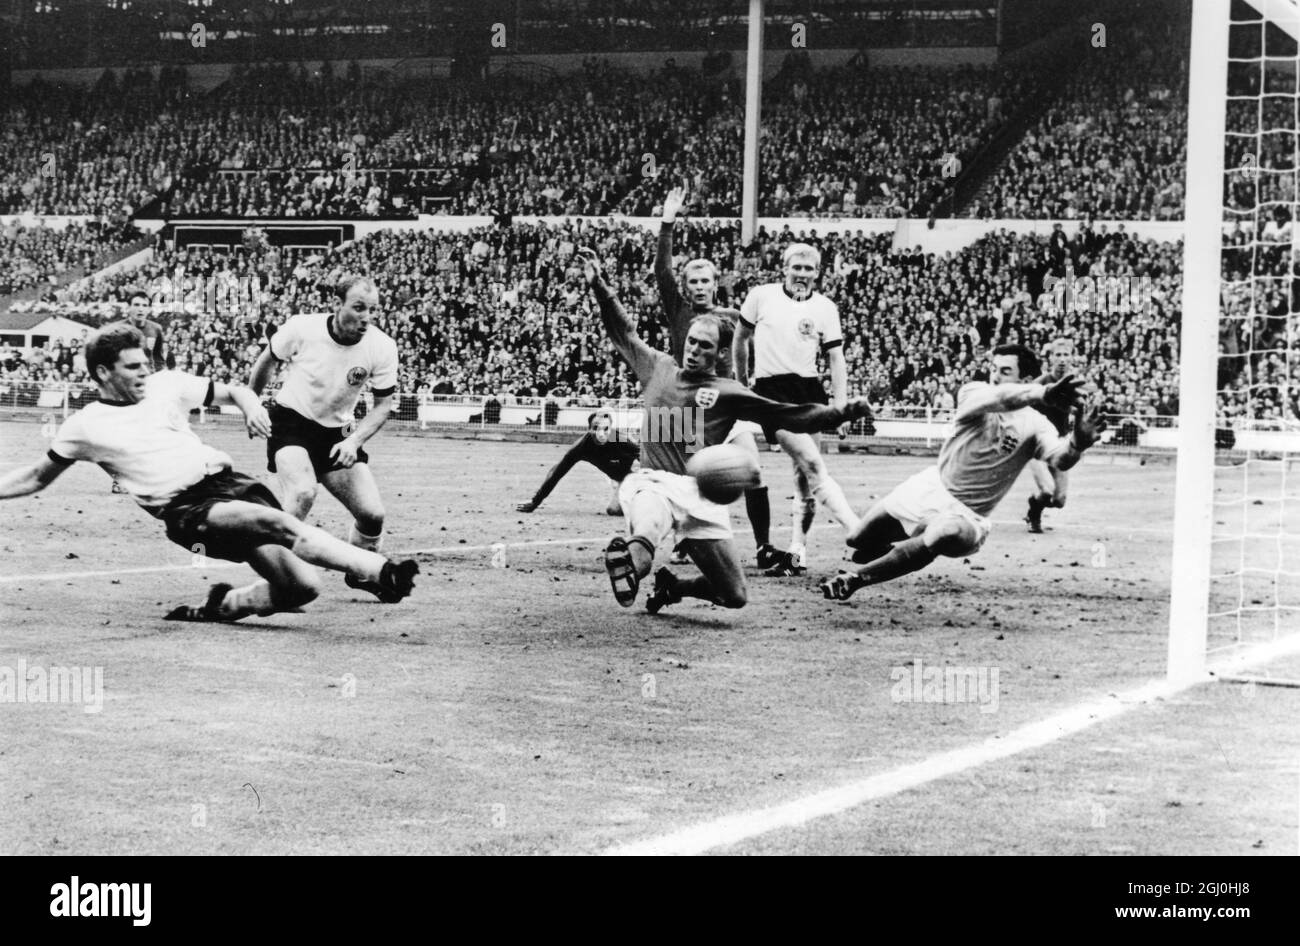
x=735 y=597
x=278 y=526
x=298 y=500
x=301 y=591
x=371 y=521
x=950 y=537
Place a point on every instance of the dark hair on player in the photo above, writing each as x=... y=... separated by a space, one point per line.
x=1030 y=366
x=136 y=292
x=105 y=345
x=597 y=415
x=726 y=330
x=345 y=284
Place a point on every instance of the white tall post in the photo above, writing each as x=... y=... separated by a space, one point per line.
x=1198 y=358
x=753 y=112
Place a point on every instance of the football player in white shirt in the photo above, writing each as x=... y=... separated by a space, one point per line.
x=314 y=438
x=942 y=510
x=139 y=433
x=790 y=323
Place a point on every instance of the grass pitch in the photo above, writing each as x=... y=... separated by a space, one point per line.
x=510 y=706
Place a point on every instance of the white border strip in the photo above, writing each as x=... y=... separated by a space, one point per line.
x=732 y=829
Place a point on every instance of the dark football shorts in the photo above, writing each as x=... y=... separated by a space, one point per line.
x=291 y=429
x=789 y=389
x=186 y=515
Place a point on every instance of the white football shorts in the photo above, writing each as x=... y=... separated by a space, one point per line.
x=694 y=517
x=920 y=499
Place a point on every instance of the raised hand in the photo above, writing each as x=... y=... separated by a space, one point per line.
x=673 y=203
x=1088 y=425
x=1064 y=394
x=590 y=265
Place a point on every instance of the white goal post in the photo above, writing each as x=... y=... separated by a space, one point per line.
x=1236 y=553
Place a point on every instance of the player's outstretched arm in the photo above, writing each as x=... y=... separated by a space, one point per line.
x=557 y=473
x=670 y=296
x=618 y=324
x=1088 y=426
x=796 y=418
x=255 y=416
x=31 y=479
x=995 y=398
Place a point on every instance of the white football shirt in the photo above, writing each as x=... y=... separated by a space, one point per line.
x=789 y=334
x=325 y=377
x=979 y=463
x=147 y=447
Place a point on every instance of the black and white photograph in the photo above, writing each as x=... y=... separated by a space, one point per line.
x=651 y=427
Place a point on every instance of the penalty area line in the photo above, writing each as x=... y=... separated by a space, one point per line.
x=733 y=829
x=214 y=563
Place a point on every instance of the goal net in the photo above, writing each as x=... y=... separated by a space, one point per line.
x=1236 y=583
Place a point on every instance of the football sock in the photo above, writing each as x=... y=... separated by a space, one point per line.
x=370 y=543
x=832 y=497
x=907 y=556
x=318 y=547
x=251 y=599
x=759 y=511
x=642 y=551
x=802 y=511
x=697 y=587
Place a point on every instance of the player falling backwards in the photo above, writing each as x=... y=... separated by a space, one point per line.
x=615 y=458
x=790 y=322
x=942 y=510
x=686 y=408
x=314 y=439
x=139 y=433
x=1051 y=486
x=700 y=278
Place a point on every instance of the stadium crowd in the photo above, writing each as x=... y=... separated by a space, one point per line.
x=1112 y=144
x=276 y=140
x=500 y=310
x=40 y=255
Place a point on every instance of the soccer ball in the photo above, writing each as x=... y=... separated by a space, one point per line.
x=723 y=472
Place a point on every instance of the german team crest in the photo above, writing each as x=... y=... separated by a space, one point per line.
x=706 y=397
x=806 y=327
x=357 y=376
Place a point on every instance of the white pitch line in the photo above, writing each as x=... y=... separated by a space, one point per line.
x=732 y=829
x=215 y=563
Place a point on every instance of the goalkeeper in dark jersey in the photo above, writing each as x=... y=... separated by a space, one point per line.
x=615 y=458
x=700 y=278
x=686 y=408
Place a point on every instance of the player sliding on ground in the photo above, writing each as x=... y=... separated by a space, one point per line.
x=700 y=278
x=791 y=323
x=139 y=433
x=686 y=408
x=330 y=358
x=942 y=510
x=614 y=457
